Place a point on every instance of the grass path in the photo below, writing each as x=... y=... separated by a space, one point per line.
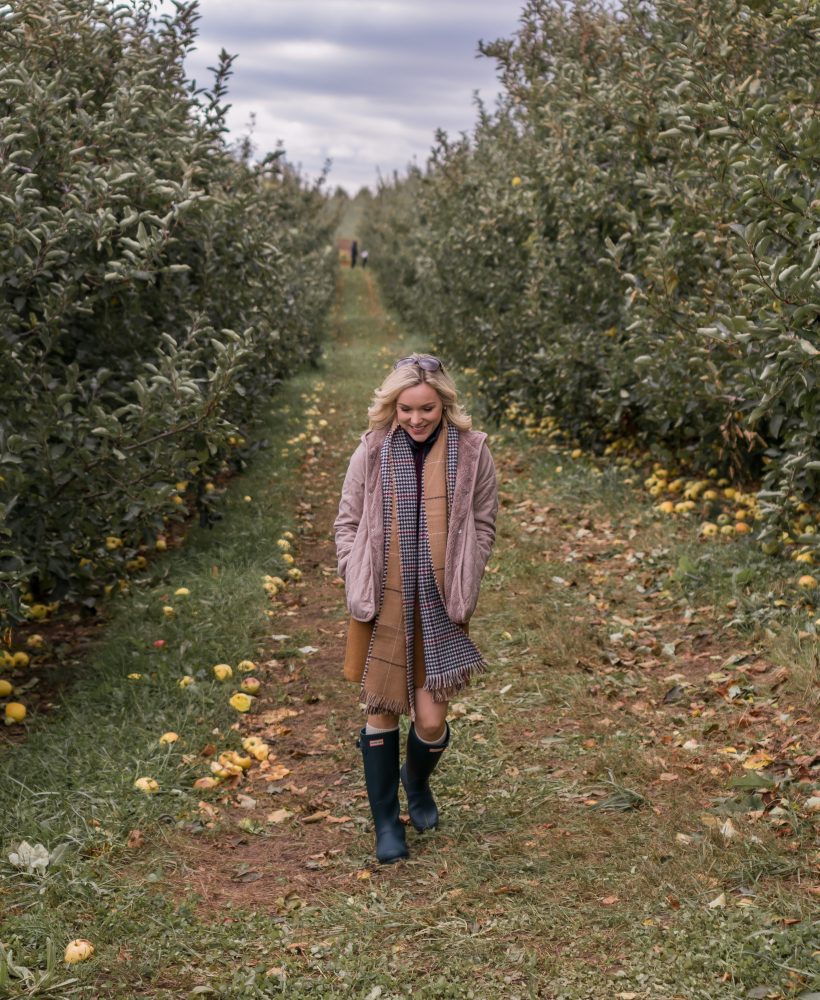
x=626 y=804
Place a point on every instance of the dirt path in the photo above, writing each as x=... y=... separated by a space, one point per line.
x=619 y=807
x=308 y=723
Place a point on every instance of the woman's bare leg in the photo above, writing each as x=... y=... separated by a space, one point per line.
x=430 y=717
x=383 y=722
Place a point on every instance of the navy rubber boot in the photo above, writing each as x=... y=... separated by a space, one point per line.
x=380 y=753
x=420 y=764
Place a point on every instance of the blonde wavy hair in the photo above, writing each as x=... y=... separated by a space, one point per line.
x=382 y=411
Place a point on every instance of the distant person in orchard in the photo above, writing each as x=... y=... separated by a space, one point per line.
x=415 y=529
x=365 y=256
x=354 y=253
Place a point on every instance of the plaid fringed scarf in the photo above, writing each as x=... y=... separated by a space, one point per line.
x=415 y=539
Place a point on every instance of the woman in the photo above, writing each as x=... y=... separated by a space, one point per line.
x=415 y=528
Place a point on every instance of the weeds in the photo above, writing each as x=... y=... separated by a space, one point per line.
x=617 y=798
x=49 y=982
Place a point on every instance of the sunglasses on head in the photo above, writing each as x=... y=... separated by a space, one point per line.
x=425 y=361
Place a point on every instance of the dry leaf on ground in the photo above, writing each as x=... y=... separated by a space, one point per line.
x=279 y=815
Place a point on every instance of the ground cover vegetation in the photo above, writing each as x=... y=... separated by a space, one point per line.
x=133 y=723
x=629 y=803
x=626 y=249
x=155 y=283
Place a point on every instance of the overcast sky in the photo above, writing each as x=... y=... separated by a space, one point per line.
x=364 y=83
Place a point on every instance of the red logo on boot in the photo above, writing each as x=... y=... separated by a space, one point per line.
x=376 y=743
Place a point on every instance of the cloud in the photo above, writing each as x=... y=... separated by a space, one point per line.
x=364 y=82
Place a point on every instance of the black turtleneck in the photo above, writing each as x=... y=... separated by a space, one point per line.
x=420 y=451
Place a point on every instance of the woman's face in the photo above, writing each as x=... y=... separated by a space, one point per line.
x=419 y=410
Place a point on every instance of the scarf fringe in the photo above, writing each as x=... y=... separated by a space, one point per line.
x=380 y=706
x=442 y=688
x=452 y=680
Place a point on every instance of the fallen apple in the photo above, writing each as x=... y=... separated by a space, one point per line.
x=147 y=785
x=78 y=950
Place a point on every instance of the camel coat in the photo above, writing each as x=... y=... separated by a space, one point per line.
x=470 y=528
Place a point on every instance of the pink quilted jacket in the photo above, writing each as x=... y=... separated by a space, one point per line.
x=470 y=532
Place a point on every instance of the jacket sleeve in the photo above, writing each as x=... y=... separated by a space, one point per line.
x=485 y=504
x=351 y=508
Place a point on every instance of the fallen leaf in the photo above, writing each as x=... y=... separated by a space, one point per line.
x=207 y=811
x=247 y=876
x=609 y=900
x=277 y=772
x=728 y=830
x=295 y=789
x=278 y=714
x=668 y=776
x=279 y=815
x=756 y=761
x=339 y=819
x=251 y=826
x=736 y=658
x=136 y=839
x=718 y=901
x=316 y=817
